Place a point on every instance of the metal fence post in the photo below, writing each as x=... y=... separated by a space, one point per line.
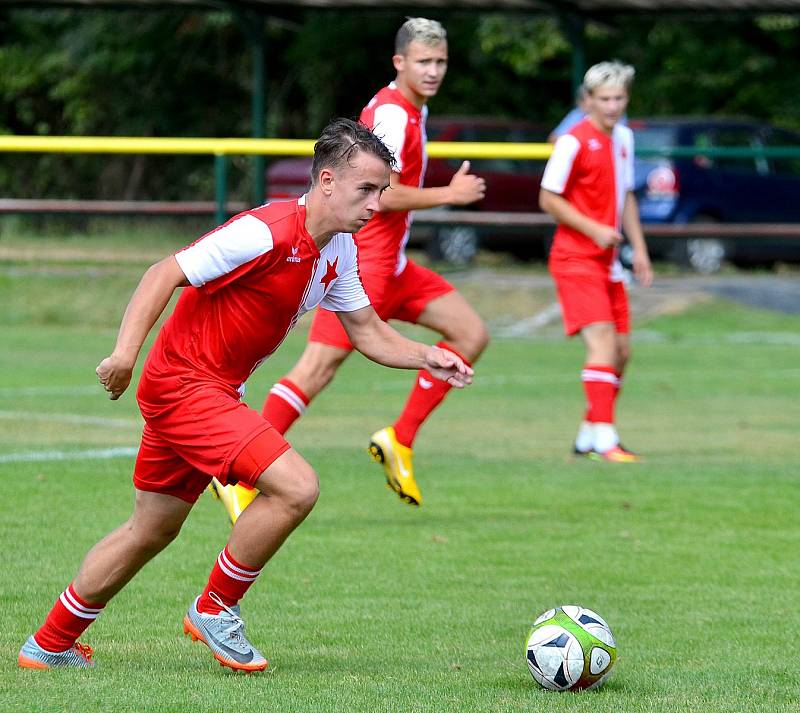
x=221 y=186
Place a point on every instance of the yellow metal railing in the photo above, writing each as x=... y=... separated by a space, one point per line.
x=241 y=147
x=221 y=148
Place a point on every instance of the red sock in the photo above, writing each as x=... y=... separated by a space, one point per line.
x=426 y=394
x=617 y=389
x=600 y=383
x=66 y=621
x=284 y=405
x=229 y=580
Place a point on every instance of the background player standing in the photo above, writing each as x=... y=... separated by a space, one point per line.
x=573 y=116
x=397 y=287
x=246 y=283
x=587 y=187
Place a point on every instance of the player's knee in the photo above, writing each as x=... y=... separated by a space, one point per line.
x=623 y=357
x=301 y=491
x=481 y=339
x=602 y=345
x=152 y=538
x=316 y=368
x=471 y=338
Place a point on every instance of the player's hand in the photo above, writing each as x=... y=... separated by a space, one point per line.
x=642 y=269
x=466 y=187
x=606 y=236
x=447 y=366
x=114 y=375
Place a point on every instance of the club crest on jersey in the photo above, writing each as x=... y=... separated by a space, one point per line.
x=330 y=273
x=594 y=144
x=294 y=257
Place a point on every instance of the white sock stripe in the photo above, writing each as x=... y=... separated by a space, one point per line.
x=77 y=612
x=235 y=572
x=592 y=375
x=73 y=599
x=236 y=568
x=289 y=396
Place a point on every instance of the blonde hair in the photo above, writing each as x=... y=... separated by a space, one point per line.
x=419 y=29
x=614 y=73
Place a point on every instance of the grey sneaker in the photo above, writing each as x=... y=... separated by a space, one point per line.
x=31 y=655
x=223 y=633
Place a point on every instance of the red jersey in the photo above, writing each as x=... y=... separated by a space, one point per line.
x=401 y=126
x=594 y=172
x=251 y=279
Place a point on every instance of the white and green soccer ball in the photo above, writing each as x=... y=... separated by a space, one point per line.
x=570 y=648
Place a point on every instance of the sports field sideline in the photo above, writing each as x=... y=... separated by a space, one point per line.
x=373 y=606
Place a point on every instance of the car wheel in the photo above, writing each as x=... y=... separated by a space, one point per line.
x=703 y=255
x=625 y=255
x=456 y=244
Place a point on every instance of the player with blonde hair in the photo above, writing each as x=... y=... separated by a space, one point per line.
x=588 y=188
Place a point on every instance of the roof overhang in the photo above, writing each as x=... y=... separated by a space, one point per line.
x=581 y=7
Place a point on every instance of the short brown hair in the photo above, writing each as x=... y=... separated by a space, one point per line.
x=340 y=140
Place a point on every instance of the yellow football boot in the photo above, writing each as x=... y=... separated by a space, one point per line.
x=396 y=459
x=234 y=498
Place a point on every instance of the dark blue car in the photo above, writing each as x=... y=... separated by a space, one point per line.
x=704 y=188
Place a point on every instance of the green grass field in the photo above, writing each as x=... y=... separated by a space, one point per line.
x=692 y=557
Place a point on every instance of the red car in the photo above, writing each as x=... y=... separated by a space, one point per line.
x=511 y=185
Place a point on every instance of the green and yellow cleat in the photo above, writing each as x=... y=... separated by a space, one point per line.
x=396 y=459
x=617 y=454
x=234 y=498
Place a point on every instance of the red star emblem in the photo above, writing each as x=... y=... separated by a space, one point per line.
x=330 y=273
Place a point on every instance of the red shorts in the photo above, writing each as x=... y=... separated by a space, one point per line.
x=402 y=297
x=203 y=435
x=587 y=298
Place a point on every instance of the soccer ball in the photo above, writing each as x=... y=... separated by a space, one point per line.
x=570 y=648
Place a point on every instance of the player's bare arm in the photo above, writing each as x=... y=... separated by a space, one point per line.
x=146 y=305
x=632 y=226
x=379 y=342
x=564 y=212
x=464 y=188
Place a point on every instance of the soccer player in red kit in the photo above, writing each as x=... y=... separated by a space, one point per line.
x=397 y=287
x=587 y=187
x=246 y=284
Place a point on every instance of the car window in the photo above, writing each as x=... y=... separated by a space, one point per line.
x=502 y=134
x=703 y=139
x=652 y=138
x=789 y=165
x=738 y=137
x=433 y=131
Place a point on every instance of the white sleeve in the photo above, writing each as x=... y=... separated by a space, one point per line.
x=390 y=127
x=347 y=293
x=630 y=181
x=559 y=165
x=224 y=249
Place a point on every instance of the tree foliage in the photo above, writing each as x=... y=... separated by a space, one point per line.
x=186 y=72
